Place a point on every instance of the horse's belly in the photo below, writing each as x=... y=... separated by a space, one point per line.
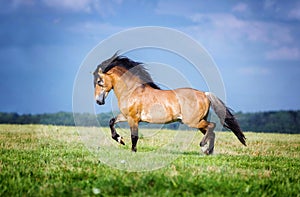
x=156 y=114
x=159 y=106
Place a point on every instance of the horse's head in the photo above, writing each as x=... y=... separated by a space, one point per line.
x=102 y=84
x=113 y=72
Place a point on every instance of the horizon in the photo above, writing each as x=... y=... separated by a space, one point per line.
x=114 y=112
x=254 y=45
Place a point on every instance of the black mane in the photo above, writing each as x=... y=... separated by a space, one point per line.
x=136 y=68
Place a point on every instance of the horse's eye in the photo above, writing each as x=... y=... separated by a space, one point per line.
x=100 y=82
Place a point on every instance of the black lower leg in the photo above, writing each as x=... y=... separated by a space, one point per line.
x=114 y=133
x=203 y=141
x=134 y=138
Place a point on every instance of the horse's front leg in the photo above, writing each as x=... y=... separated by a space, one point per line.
x=114 y=134
x=134 y=134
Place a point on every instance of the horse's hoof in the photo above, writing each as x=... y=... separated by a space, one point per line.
x=120 y=140
x=133 y=150
x=204 y=147
x=207 y=151
x=211 y=151
x=203 y=143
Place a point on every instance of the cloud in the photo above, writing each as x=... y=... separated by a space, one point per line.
x=218 y=19
x=269 y=4
x=13 y=5
x=240 y=24
x=229 y=26
x=243 y=31
x=295 y=13
x=254 y=70
x=174 y=8
x=102 y=7
x=240 y=7
x=95 y=30
x=284 y=53
x=73 y=5
x=18 y=3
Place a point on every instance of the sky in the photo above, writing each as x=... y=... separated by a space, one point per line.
x=254 y=44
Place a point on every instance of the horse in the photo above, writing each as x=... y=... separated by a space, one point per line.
x=141 y=100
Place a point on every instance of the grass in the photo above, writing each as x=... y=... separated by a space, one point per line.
x=39 y=160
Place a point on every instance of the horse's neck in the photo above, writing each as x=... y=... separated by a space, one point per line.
x=124 y=87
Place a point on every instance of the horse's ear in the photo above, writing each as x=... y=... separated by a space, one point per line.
x=100 y=71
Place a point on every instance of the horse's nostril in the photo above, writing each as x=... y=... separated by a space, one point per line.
x=100 y=102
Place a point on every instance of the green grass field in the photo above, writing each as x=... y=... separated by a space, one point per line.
x=39 y=160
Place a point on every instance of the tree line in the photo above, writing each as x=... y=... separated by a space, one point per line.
x=273 y=121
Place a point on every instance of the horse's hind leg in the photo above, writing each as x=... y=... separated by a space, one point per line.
x=207 y=128
x=114 y=134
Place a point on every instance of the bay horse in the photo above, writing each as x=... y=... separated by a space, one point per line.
x=141 y=100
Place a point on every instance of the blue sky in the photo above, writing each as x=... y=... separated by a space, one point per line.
x=255 y=45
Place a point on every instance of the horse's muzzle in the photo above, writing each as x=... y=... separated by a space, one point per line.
x=100 y=100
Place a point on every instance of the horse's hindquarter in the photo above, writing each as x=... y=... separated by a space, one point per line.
x=194 y=105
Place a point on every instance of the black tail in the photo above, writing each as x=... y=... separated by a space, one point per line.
x=226 y=117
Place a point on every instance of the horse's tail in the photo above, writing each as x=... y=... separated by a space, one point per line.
x=226 y=117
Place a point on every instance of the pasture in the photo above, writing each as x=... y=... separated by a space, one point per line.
x=42 y=160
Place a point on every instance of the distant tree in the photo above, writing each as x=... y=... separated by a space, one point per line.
x=272 y=121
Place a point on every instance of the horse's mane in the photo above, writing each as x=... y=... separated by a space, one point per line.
x=136 y=68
